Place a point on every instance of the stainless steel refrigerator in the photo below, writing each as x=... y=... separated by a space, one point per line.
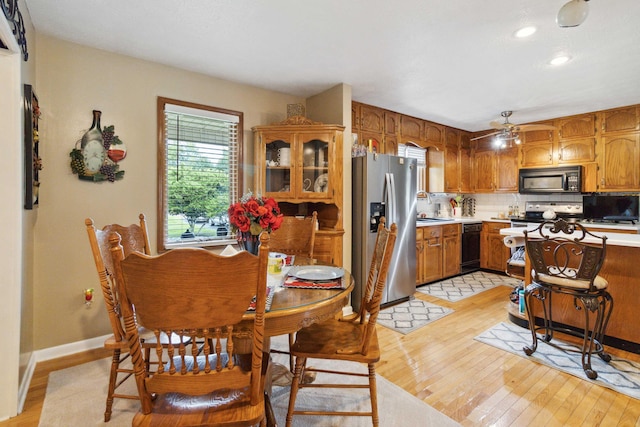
x=384 y=185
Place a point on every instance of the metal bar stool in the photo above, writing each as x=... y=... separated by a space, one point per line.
x=564 y=263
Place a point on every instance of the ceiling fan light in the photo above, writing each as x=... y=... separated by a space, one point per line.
x=573 y=13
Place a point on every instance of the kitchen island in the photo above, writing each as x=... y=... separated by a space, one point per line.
x=622 y=270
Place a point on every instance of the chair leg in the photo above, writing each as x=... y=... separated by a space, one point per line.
x=531 y=293
x=602 y=305
x=113 y=376
x=295 y=385
x=373 y=392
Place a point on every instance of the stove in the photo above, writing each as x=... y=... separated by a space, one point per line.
x=571 y=211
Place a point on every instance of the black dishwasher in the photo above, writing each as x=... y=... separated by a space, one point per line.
x=470 y=247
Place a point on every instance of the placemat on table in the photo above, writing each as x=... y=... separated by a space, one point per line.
x=294 y=282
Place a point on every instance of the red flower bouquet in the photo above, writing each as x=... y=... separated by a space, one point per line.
x=255 y=214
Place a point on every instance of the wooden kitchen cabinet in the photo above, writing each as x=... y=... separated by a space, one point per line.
x=620 y=163
x=506 y=170
x=626 y=119
x=451 y=161
x=493 y=252
x=438 y=252
x=310 y=181
x=428 y=254
x=483 y=171
x=411 y=130
x=451 y=249
x=580 y=126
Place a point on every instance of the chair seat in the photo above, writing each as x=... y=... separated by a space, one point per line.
x=335 y=339
x=599 y=282
x=225 y=408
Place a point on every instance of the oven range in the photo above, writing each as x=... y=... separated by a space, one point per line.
x=534 y=212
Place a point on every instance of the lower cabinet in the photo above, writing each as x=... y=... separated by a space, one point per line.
x=438 y=252
x=493 y=253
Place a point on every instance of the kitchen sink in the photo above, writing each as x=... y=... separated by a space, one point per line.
x=431 y=219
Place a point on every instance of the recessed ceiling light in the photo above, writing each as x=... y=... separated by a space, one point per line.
x=559 y=60
x=525 y=32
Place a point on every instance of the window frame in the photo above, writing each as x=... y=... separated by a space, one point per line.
x=162 y=209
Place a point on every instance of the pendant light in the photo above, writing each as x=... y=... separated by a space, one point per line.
x=573 y=13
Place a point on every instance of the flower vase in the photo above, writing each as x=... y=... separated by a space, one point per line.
x=249 y=242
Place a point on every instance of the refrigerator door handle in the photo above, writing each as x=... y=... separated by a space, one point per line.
x=390 y=198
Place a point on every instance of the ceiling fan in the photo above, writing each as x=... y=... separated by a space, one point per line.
x=510 y=131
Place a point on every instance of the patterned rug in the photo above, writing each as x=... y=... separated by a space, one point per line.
x=411 y=315
x=460 y=287
x=620 y=375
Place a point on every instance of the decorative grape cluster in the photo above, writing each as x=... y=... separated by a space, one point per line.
x=109 y=171
x=77 y=162
x=107 y=136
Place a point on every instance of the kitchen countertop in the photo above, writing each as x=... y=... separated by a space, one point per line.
x=615 y=239
x=444 y=221
x=466 y=220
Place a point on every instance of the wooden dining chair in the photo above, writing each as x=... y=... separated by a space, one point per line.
x=134 y=239
x=354 y=340
x=296 y=236
x=199 y=296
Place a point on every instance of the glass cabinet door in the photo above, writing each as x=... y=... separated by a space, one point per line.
x=315 y=167
x=279 y=165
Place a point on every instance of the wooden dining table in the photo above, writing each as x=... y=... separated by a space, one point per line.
x=293 y=309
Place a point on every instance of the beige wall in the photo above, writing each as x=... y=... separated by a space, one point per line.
x=72 y=80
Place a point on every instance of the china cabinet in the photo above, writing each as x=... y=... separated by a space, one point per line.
x=299 y=163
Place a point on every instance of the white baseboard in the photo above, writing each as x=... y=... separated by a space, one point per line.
x=71 y=348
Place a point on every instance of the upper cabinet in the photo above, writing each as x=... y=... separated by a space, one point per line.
x=625 y=119
x=411 y=130
x=580 y=126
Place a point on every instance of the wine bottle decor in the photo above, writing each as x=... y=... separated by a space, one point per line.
x=96 y=155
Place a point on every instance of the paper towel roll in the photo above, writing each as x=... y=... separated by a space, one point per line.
x=513 y=241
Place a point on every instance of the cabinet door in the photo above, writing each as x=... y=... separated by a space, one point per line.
x=465 y=170
x=434 y=134
x=621 y=119
x=620 y=165
x=507 y=169
x=315 y=180
x=411 y=129
x=372 y=119
x=420 y=260
x=534 y=136
x=391 y=145
x=391 y=123
x=276 y=151
x=577 y=151
x=538 y=154
x=451 y=253
x=580 y=126
x=493 y=253
x=451 y=169
x=483 y=171
x=355 y=117
x=432 y=253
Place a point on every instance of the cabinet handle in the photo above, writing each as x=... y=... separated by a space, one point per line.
x=551 y=157
x=559 y=156
x=602 y=181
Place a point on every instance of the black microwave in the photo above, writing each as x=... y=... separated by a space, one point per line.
x=566 y=179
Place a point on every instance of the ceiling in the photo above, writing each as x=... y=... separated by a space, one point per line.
x=455 y=62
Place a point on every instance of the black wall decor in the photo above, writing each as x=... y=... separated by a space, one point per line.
x=13 y=15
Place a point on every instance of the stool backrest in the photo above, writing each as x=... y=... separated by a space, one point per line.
x=565 y=250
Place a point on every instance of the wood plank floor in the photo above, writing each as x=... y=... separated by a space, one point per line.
x=441 y=363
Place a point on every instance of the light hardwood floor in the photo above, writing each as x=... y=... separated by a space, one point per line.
x=441 y=363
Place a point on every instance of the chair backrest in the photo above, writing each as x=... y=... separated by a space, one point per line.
x=377 y=279
x=295 y=236
x=557 y=249
x=134 y=239
x=199 y=296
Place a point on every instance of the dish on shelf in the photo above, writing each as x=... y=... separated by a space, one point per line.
x=321 y=184
x=317 y=272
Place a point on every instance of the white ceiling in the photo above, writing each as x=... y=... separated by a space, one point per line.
x=454 y=62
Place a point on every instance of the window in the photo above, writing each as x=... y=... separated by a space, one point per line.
x=199 y=152
x=418 y=153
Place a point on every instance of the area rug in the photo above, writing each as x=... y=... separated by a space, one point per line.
x=620 y=375
x=411 y=315
x=76 y=397
x=464 y=286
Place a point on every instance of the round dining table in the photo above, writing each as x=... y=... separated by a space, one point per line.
x=293 y=309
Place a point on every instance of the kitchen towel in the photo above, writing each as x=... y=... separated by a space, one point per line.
x=513 y=241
